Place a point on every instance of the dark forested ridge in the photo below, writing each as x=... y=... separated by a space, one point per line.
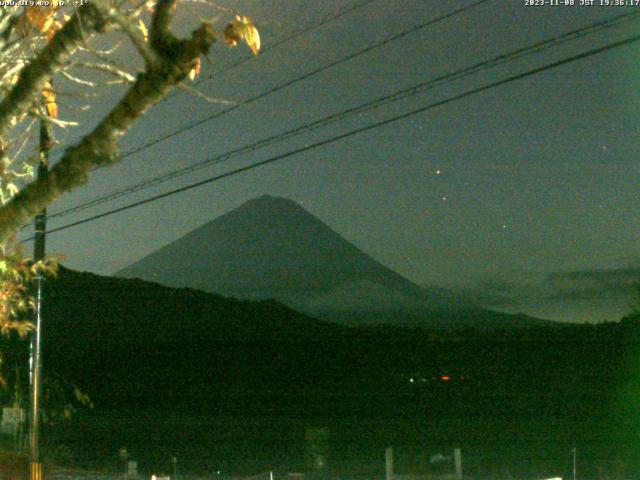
x=115 y=334
x=136 y=346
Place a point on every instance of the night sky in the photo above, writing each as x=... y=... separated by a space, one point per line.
x=527 y=179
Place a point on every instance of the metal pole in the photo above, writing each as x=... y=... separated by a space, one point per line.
x=574 y=463
x=35 y=361
x=457 y=456
x=388 y=457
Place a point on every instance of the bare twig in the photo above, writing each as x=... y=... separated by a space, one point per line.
x=148 y=54
x=79 y=81
x=34 y=76
x=24 y=139
x=102 y=54
x=194 y=91
x=109 y=68
x=55 y=121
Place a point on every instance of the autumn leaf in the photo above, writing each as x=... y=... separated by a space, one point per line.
x=39 y=18
x=193 y=73
x=243 y=29
x=143 y=28
x=50 y=100
x=16 y=273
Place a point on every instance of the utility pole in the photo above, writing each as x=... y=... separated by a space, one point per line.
x=35 y=362
x=574 y=464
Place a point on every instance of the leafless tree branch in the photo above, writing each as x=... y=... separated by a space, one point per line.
x=99 y=148
x=34 y=76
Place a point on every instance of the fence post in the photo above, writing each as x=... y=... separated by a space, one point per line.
x=388 y=456
x=457 y=457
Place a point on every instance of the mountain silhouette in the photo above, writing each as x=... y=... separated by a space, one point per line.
x=272 y=248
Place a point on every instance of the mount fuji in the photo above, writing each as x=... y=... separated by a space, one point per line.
x=272 y=248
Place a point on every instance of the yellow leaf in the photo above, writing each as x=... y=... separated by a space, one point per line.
x=143 y=29
x=243 y=29
x=50 y=100
x=195 y=70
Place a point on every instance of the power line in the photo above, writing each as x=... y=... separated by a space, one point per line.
x=356 y=131
x=295 y=80
x=396 y=96
x=305 y=76
x=295 y=34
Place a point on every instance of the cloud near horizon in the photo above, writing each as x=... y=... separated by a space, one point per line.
x=586 y=295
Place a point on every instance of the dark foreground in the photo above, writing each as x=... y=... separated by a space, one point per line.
x=233 y=386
